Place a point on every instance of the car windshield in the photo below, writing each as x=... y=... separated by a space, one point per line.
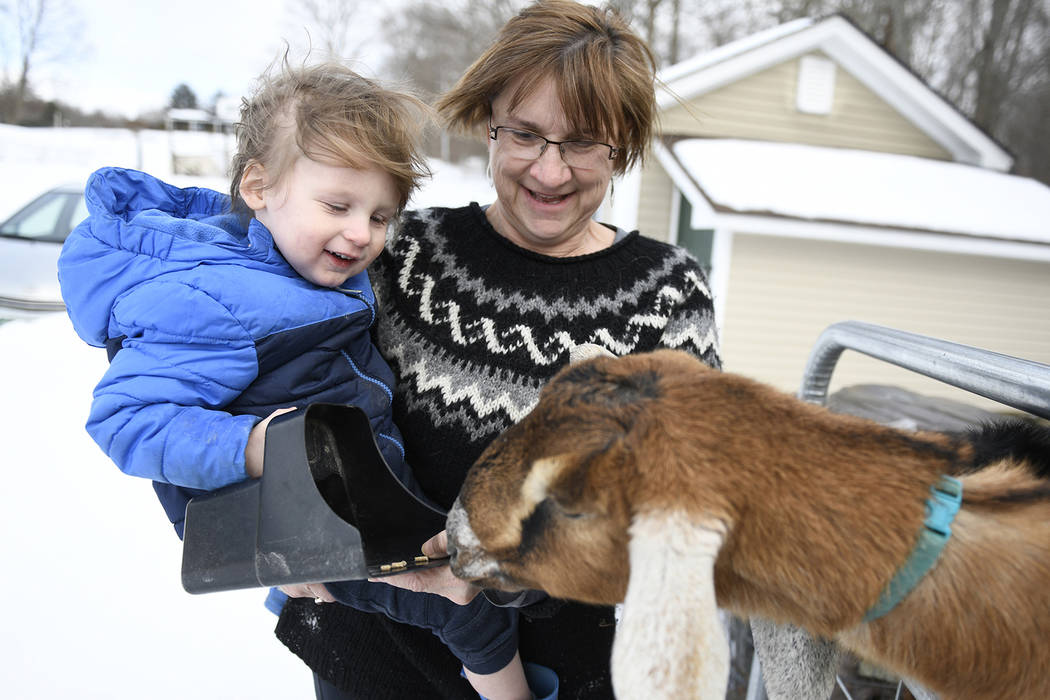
x=49 y=217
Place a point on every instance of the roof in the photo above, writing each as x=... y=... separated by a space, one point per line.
x=786 y=182
x=855 y=52
x=190 y=115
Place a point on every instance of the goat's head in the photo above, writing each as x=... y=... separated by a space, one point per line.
x=548 y=505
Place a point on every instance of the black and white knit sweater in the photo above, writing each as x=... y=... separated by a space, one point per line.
x=474 y=326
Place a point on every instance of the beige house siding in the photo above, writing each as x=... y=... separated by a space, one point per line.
x=762 y=106
x=783 y=292
x=655 y=201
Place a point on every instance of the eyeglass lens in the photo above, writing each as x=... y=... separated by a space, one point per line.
x=529 y=146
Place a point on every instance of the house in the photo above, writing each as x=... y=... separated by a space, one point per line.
x=202 y=142
x=821 y=180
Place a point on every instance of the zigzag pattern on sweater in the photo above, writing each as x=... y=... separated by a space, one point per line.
x=455 y=384
x=481 y=291
x=475 y=326
x=504 y=340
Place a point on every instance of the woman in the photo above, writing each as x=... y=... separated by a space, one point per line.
x=480 y=305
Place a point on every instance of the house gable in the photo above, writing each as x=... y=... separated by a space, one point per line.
x=852 y=52
x=861 y=202
x=764 y=106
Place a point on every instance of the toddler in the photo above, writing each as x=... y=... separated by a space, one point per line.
x=219 y=313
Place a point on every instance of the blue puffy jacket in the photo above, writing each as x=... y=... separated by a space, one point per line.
x=215 y=330
x=209 y=330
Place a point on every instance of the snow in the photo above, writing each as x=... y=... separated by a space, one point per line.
x=864 y=187
x=725 y=52
x=34 y=160
x=95 y=608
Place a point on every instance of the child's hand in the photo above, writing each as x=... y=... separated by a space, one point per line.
x=317 y=591
x=254 y=450
x=439 y=580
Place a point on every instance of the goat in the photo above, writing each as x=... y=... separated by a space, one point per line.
x=654 y=480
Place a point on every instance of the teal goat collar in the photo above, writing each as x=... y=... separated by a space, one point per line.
x=941 y=507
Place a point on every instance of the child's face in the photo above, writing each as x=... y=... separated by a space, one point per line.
x=328 y=221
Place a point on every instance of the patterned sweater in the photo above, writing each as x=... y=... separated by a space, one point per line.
x=473 y=327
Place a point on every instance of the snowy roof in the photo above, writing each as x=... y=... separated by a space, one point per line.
x=732 y=49
x=853 y=51
x=845 y=186
x=190 y=115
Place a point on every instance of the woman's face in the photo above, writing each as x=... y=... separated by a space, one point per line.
x=542 y=204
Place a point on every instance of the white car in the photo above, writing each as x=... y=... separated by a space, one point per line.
x=30 y=241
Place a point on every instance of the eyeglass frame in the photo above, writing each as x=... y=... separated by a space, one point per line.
x=494 y=132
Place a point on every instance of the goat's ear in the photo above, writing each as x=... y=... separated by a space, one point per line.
x=586 y=351
x=670 y=605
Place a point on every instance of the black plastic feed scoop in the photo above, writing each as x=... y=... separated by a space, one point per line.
x=327 y=508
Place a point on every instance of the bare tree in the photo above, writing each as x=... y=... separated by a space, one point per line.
x=183 y=97
x=331 y=23
x=676 y=30
x=42 y=31
x=437 y=40
x=1009 y=80
x=897 y=25
x=995 y=55
x=990 y=58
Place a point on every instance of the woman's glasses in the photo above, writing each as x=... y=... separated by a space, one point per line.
x=585 y=155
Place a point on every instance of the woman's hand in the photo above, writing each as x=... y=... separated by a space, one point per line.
x=256 y=447
x=438 y=580
x=317 y=591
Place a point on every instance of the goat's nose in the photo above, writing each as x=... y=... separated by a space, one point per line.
x=454 y=528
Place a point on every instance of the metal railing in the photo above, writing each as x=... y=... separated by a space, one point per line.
x=1017 y=383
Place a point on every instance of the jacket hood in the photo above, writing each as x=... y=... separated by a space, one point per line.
x=141 y=229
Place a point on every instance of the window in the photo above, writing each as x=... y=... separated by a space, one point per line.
x=47 y=218
x=696 y=241
x=816 y=85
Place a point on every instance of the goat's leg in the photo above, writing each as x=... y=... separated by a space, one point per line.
x=795 y=665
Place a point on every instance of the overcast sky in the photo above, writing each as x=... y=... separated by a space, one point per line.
x=134 y=52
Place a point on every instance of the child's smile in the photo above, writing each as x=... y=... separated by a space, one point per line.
x=329 y=221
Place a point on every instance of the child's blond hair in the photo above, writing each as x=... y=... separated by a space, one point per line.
x=329 y=113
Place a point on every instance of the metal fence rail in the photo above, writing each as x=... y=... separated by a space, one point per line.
x=1018 y=383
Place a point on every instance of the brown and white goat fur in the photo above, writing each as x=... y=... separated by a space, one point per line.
x=656 y=481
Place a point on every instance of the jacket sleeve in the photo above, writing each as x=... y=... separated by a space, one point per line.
x=482 y=636
x=158 y=412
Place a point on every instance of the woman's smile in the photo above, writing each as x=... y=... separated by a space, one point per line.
x=546 y=199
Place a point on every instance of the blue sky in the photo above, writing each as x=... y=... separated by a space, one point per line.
x=136 y=51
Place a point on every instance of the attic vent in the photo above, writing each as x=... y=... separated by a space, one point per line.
x=816 y=85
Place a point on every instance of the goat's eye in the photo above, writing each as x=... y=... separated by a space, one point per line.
x=566 y=511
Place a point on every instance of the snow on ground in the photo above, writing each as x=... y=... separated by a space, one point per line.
x=34 y=160
x=95 y=608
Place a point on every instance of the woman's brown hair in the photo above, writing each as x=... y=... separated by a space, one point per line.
x=329 y=113
x=604 y=73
